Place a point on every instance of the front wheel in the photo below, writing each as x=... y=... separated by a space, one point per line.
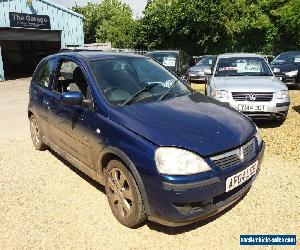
x=36 y=134
x=123 y=195
x=281 y=120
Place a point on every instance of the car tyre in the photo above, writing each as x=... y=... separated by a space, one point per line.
x=123 y=195
x=281 y=120
x=36 y=134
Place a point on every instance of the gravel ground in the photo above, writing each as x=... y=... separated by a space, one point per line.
x=46 y=203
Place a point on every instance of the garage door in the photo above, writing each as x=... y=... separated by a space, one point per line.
x=29 y=35
x=22 y=49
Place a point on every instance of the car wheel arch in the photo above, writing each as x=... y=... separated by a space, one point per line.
x=111 y=153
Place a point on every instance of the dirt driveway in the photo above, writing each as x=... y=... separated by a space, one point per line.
x=45 y=203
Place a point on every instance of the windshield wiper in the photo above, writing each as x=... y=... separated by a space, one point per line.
x=134 y=96
x=168 y=91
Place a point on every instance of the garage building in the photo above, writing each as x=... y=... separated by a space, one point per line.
x=31 y=30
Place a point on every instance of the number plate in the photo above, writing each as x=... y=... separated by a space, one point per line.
x=241 y=177
x=250 y=107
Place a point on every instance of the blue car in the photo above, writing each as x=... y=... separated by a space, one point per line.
x=163 y=152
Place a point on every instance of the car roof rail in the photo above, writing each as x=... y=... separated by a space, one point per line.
x=78 y=48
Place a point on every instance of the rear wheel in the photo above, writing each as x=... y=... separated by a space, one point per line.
x=123 y=195
x=36 y=134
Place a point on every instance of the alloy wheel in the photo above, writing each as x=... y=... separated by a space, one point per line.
x=120 y=192
x=34 y=128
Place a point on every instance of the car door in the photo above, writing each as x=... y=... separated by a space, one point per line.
x=72 y=127
x=39 y=93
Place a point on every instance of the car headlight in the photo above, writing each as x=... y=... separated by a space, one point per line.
x=175 y=161
x=220 y=94
x=292 y=73
x=281 y=94
x=258 y=136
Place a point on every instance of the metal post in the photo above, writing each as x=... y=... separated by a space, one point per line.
x=1 y=68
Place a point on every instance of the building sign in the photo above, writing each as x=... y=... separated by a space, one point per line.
x=23 y=20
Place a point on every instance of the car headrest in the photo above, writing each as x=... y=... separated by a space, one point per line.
x=78 y=75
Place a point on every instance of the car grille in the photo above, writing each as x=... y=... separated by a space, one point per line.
x=250 y=96
x=234 y=157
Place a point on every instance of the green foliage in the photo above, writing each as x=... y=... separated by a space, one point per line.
x=197 y=26
x=202 y=27
x=109 y=21
x=288 y=20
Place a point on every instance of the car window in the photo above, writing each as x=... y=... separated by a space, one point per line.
x=241 y=66
x=207 y=61
x=70 y=77
x=297 y=58
x=120 y=78
x=44 y=73
x=287 y=58
x=169 y=60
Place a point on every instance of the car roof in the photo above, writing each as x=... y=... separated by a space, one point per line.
x=94 y=55
x=209 y=56
x=229 y=55
x=163 y=51
x=290 y=52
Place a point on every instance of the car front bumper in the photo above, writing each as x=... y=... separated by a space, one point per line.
x=174 y=204
x=273 y=109
x=197 y=78
x=289 y=81
x=276 y=108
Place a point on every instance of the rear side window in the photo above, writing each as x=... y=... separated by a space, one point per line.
x=44 y=73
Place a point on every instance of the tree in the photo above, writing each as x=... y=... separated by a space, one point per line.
x=191 y=25
x=288 y=21
x=197 y=26
x=109 y=21
x=202 y=26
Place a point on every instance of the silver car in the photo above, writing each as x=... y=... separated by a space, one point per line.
x=247 y=83
x=196 y=73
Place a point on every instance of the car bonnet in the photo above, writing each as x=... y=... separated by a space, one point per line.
x=195 y=122
x=249 y=84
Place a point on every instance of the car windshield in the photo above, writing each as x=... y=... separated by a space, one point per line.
x=207 y=61
x=242 y=66
x=122 y=78
x=169 y=60
x=286 y=58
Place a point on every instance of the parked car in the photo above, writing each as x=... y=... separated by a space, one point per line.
x=286 y=66
x=247 y=83
x=196 y=73
x=174 y=60
x=162 y=151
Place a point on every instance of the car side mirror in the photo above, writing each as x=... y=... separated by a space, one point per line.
x=72 y=98
x=207 y=72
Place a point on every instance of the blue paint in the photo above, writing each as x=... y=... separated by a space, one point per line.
x=133 y=133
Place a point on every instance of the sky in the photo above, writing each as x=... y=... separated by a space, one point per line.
x=136 y=5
